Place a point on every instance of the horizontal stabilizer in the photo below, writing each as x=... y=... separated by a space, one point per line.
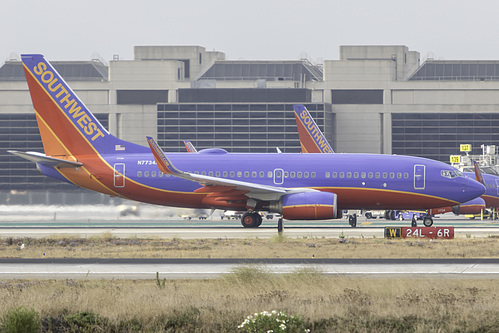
x=45 y=160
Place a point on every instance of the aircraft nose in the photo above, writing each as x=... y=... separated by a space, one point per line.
x=473 y=188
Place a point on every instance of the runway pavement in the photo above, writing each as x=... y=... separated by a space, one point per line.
x=212 y=268
x=89 y=222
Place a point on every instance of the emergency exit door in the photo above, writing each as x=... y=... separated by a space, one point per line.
x=119 y=175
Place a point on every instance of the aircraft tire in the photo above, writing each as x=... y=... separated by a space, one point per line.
x=259 y=219
x=428 y=221
x=249 y=220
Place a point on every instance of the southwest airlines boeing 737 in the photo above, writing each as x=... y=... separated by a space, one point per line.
x=312 y=140
x=79 y=150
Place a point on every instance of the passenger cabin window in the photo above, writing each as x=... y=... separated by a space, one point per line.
x=225 y=174
x=262 y=174
x=342 y=175
x=335 y=174
x=232 y=174
x=349 y=175
x=139 y=173
x=328 y=174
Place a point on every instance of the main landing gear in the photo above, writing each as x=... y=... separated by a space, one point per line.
x=251 y=220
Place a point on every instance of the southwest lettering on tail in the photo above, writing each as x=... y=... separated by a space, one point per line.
x=314 y=141
x=67 y=101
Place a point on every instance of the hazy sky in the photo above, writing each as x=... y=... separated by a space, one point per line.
x=254 y=29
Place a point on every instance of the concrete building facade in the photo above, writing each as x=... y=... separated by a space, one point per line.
x=373 y=99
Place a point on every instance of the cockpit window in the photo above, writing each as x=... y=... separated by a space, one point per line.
x=451 y=173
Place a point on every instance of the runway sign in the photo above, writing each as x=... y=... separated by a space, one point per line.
x=419 y=232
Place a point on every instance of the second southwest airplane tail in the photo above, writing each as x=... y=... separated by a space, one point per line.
x=67 y=127
x=311 y=138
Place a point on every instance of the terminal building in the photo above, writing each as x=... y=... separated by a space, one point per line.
x=374 y=99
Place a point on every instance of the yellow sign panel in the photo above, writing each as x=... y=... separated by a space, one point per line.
x=466 y=147
x=455 y=159
x=393 y=232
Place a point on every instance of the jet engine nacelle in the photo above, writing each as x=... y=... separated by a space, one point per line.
x=307 y=206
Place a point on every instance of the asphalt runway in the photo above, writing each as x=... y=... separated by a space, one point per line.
x=37 y=222
x=212 y=268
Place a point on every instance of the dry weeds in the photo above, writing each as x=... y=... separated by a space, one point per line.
x=325 y=302
x=328 y=304
x=277 y=247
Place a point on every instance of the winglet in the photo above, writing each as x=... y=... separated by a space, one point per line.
x=311 y=138
x=478 y=173
x=190 y=147
x=164 y=164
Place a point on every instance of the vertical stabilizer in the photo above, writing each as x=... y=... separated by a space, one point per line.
x=67 y=126
x=311 y=138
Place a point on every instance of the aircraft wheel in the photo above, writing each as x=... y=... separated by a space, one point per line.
x=249 y=220
x=259 y=219
x=428 y=221
x=369 y=215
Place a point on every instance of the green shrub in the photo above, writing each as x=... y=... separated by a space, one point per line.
x=21 y=320
x=85 y=321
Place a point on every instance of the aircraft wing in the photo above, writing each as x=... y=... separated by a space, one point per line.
x=251 y=190
x=45 y=160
